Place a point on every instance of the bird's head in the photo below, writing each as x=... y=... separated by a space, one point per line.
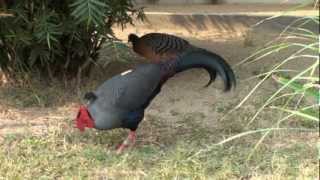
x=132 y=38
x=84 y=119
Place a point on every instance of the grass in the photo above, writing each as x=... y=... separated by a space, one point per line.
x=64 y=153
x=304 y=81
x=35 y=96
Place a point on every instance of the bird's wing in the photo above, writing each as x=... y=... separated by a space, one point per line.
x=131 y=90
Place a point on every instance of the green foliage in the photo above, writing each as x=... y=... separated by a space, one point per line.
x=298 y=88
x=305 y=81
x=307 y=89
x=120 y=52
x=89 y=11
x=58 y=38
x=303 y=103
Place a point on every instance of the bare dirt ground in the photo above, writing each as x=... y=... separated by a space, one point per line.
x=249 y=9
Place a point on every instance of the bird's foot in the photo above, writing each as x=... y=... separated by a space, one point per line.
x=129 y=141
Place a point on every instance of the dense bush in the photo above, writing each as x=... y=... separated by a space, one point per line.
x=57 y=39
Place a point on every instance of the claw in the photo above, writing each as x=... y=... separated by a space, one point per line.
x=129 y=141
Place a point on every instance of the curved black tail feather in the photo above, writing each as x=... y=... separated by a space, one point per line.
x=211 y=62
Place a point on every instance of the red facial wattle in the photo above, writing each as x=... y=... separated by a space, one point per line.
x=84 y=119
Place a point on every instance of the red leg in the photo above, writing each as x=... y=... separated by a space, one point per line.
x=129 y=141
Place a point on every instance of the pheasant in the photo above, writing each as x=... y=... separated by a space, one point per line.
x=120 y=102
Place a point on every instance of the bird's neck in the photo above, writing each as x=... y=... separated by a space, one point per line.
x=134 y=42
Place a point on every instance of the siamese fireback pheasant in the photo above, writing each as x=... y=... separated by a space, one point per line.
x=161 y=46
x=120 y=102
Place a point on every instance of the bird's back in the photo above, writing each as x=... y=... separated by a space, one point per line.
x=163 y=43
x=160 y=46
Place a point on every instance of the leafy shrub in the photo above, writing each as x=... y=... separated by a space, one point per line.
x=58 y=39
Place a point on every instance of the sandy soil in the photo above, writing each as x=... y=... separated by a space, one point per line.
x=253 y=9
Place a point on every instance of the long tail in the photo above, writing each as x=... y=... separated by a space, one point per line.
x=213 y=63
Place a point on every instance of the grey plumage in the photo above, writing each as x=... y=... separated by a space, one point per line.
x=121 y=100
x=122 y=95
